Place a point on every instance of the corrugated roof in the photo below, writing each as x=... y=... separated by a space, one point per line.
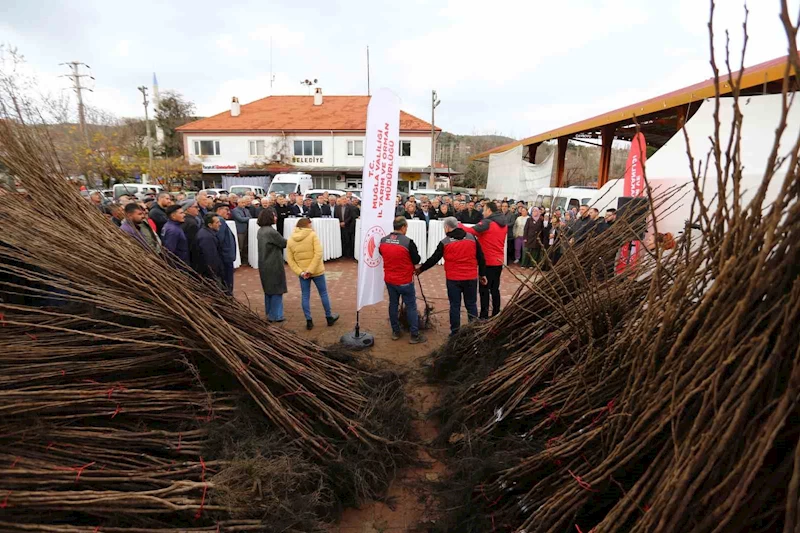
x=754 y=76
x=298 y=113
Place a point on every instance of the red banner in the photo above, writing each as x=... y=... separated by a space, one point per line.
x=634 y=186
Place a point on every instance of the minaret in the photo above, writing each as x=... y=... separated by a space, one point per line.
x=156 y=100
x=155 y=90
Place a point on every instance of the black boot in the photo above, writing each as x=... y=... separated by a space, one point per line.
x=309 y=324
x=332 y=319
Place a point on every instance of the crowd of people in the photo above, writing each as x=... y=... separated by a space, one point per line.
x=480 y=236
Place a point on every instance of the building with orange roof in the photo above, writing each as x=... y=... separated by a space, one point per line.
x=319 y=135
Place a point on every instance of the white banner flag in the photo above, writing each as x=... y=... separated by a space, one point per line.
x=378 y=192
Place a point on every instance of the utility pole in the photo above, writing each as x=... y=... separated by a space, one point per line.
x=143 y=90
x=76 y=76
x=434 y=104
x=271 y=75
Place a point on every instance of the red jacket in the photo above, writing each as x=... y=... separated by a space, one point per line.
x=492 y=234
x=399 y=257
x=463 y=258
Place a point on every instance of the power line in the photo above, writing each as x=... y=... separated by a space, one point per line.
x=76 y=76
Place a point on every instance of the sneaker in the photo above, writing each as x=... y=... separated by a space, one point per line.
x=395 y=335
x=332 y=319
x=516 y=261
x=417 y=339
x=309 y=324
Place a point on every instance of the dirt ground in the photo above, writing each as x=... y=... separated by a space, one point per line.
x=407 y=500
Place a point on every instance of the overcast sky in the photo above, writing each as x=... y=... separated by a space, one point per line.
x=510 y=67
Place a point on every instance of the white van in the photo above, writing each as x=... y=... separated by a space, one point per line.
x=287 y=184
x=135 y=189
x=564 y=197
x=607 y=196
x=241 y=190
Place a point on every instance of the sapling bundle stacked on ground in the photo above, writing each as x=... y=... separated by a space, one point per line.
x=134 y=396
x=679 y=417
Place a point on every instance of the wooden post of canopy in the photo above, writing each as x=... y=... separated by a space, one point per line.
x=561 y=162
x=532 y=152
x=607 y=134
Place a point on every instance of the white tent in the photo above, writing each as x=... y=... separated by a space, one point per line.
x=670 y=165
x=512 y=177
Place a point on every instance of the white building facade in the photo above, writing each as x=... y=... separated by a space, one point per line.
x=250 y=143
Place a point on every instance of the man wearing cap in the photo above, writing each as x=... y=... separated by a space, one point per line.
x=172 y=236
x=192 y=223
x=464 y=265
x=400 y=256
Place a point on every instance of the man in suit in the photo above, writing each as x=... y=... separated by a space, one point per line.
x=347 y=224
x=242 y=217
x=399 y=209
x=305 y=209
x=427 y=213
x=411 y=210
x=320 y=209
x=297 y=206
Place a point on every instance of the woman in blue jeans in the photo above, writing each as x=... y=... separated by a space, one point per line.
x=304 y=255
x=270 y=265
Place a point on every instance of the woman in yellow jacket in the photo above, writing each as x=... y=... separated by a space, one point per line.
x=304 y=255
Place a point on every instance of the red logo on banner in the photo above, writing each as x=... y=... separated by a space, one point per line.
x=371 y=256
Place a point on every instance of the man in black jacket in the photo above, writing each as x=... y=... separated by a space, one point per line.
x=191 y=227
x=296 y=207
x=208 y=260
x=319 y=209
x=347 y=224
x=282 y=211
x=471 y=215
x=157 y=212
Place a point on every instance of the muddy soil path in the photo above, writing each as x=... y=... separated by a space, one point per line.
x=407 y=501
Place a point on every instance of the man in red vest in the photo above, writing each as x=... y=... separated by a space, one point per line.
x=400 y=255
x=492 y=234
x=463 y=266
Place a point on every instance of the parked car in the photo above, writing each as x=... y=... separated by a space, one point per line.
x=213 y=193
x=430 y=193
x=313 y=193
x=241 y=190
x=138 y=190
x=104 y=199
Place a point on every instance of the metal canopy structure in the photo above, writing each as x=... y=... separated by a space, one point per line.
x=659 y=118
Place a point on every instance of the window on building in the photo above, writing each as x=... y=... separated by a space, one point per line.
x=405 y=148
x=308 y=148
x=355 y=148
x=206 y=147
x=256 y=147
x=325 y=182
